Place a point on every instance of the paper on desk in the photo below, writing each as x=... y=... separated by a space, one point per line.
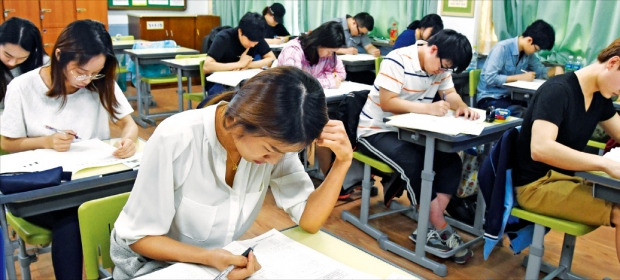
x=232 y=78
x=447 y=124
x=613 y=154
x=356 y=57
x=346 y=87
x=280 y=257
x=533 y=85
x=82 y=154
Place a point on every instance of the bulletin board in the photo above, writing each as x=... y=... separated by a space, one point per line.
x=169 y=5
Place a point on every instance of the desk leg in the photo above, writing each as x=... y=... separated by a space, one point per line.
x=8 y=246
x=140 y=118
x=180 y=88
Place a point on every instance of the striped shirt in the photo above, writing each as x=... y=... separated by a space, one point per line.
x=400 y=73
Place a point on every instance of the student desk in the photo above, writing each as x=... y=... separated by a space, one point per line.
x=358 y=62
x=605 y=187
x=276 y=48
x=151 y=56
x=86 y=184
x=445 y=143
x=232 y=78
x=524 y=90
x=346 y=253
x=187 y=67
x=120 y=45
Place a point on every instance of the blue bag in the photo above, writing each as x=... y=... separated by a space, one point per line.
x=21 y=182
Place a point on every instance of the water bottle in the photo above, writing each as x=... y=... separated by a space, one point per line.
x=578 y=63
x=569 y=64
x=393 y=32
x=473 y=64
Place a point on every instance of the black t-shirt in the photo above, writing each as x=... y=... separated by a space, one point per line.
x=561 y=102
x=227 y=48
x=273 y=31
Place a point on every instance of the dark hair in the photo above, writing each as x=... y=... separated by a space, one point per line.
x=365 y=20
x=453 y=46
x=284 y=103
x=81 y=41
x=542 y=34
x=266 y=11
x=21 y=32
x=431 y=20
x=252 y=25
x=328 y=35
x=610 y=51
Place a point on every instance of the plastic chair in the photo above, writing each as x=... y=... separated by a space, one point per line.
x=97 y=219
x=195 y=96
x=534 y=260
x=474 y=78
x=28 y=233
x=378 y=61
x=122 y=70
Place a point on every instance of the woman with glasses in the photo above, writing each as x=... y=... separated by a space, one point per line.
x=315 y=53
x=21 y=50
x=76 y=95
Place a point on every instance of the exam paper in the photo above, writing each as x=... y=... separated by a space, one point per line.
x=356 y=57
x=447 y=124
x=533 y=85
x=232 y=78
x=280 y=257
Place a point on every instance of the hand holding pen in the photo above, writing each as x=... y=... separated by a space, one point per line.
x=243 y=266
x=440 y=108
x=61 y=140
x=528 y=76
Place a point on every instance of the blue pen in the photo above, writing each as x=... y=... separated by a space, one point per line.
x=225 y=272
x=61 y=131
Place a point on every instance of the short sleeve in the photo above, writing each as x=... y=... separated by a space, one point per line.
x=13 y=124
x=262 y=48
x=551 y=103
x=392 y=73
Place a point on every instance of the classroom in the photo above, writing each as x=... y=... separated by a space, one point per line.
x=315 y=139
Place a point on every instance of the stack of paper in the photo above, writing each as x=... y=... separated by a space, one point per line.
x=356 y=57
x=533 y=85
x=613 y=154
x=346 y=87
x=232 y=78
x=447 y=124
x=280 y=258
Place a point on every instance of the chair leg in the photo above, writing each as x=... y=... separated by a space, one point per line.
x=25 y=259
x=537 y=250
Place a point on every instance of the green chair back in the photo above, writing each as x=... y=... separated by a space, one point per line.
x=474 y=78
x=378 y=61
x=97 y=219
x=196 y=96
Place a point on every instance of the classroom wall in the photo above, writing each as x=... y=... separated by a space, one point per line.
x=465 y=25
x=118 y=22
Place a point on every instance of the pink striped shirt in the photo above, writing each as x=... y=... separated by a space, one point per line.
x=293 y=55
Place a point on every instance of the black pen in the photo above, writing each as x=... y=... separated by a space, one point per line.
x=225 y=272
x=62 y=131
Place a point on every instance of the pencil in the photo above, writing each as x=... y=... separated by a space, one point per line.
x=62 y=131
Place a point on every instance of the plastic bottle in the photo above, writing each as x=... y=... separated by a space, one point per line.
x=393 y=32
x=569 y=64
x=578 y=63
x=473 y=64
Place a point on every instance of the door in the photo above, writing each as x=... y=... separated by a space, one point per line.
x=204 y=24
x=92 y=9
x=56 y=13
x=23 y=9
x=181 y=30
x=49 y=36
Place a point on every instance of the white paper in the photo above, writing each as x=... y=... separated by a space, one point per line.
x=177 y=3
x=232 y=78
x=82 y=154
x=356 y=57
x=533 y=85
x=158 y=2
x=346 y=87
x=447 y=124
x=120 y=2
x=613 y=154
x=280 y=258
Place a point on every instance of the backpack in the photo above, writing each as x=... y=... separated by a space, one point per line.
x=208 y=40
x=349 y=111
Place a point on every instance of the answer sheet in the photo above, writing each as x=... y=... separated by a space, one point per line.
x=447 y=124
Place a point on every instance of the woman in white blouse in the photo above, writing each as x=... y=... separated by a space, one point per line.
x=204 y=175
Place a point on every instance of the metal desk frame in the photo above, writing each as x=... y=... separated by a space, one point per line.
x=185 y=67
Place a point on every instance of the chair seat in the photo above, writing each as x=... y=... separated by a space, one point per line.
x=570 y=227
x=376 y=164
x=122 y=70
x=29 y=232
x=162 y=80
x=194 y=96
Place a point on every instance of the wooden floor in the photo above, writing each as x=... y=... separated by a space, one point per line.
x=595 y=256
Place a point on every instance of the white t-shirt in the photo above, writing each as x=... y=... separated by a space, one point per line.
x=401 y=73
x=28 y=110
x=181 y=192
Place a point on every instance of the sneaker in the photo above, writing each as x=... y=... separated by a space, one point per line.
x=433 y=240
x=461 y=256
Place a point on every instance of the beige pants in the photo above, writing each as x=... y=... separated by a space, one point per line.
x=566 y=197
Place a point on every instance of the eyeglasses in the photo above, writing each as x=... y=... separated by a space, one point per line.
x=445 y=69
x=87 y=77
x=359 y=33
x=536 y=47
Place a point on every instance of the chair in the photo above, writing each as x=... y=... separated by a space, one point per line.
x=500 y=162
x=378 y=61
x=195 y=96
x=97 y=219
x=122 y=70
x=474 y=78
x=28 y=233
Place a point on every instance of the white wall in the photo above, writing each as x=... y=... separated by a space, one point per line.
x=194 y=7
x=464 y=25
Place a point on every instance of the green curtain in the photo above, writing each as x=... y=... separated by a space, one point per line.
x=582 y=28
x=302 y=15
